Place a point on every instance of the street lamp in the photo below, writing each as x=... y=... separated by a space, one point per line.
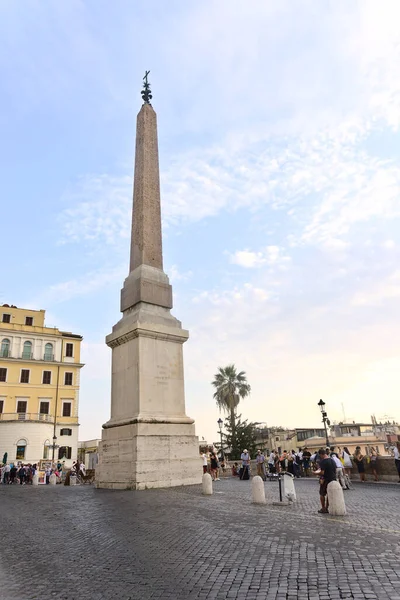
x=54 y=447
x=220 y=423
x=325 y=420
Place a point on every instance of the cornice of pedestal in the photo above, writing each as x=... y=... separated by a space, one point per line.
x=148 y=420
x=158 y=332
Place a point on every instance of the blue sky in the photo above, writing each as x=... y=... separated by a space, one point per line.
x=279 y=152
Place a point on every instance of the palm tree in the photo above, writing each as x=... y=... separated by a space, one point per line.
x=230 y=388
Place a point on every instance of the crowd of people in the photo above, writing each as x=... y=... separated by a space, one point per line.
x=301 y=463
x=23 y=474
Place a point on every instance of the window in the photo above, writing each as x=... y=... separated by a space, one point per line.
x=1 y=406
x=69 y=350
x=27 y=351
x=66 y=411
x=66 y=431
x=21 y=406
x=21 y=448
x=44 y=408
x=48 y=352
x=64 y=452
x=5 y=348
x=46 y=450
x=6 y=318
x=3 y=375
x=68 y=379
x=28 y=320
x=25 y=375
x=46 y=377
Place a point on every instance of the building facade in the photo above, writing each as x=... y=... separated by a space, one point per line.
x=39 y=388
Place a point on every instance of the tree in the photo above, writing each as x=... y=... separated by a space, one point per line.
x=242 y=435
x=230 y=388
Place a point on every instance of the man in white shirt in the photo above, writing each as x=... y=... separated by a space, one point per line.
x=339 y=470
x=204 y=457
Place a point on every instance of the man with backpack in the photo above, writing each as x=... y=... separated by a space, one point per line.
x=327 y=473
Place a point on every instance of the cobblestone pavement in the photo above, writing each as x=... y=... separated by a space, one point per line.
x=70 y=543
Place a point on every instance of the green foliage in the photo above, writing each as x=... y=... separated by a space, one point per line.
x=230 y=387
x=240 y=435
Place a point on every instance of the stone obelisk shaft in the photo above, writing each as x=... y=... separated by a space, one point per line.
x=146 y=241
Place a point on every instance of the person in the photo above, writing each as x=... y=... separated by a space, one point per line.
x=22 y=475
x=272 y=463
x=359 y=460
x=396 y=454
x=204 y=457
x=235 y=469
x=297 y=457
x=373 y=461
x=214 y=466
x=339 y=469
x=260 y=462
x=47 y=473
x=347 y=464
x=6 y=476
x=283 y=461
x=245 y=470
x=306 y=462
x=13 y=474
x=327 y=473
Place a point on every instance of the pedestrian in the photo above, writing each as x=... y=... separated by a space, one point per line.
x=346 y=460
x=245 y=470
x=204 y=458
x=359 y=460
x=283 y=461
x=339 y=470
x=306 y=462
x=22 y=475
x=296 y=463
x=260 y=462
x=327 y=473
x=235 y=469
x=13 y=474
x=7 y=470
x=396 y=454
x=373 y=461
x=214 y=466
x=272 y=463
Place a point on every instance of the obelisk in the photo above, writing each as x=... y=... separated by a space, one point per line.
x=149 y=441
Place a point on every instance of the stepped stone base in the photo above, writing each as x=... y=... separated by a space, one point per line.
x=144 y=455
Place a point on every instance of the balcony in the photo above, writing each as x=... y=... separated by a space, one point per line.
x=48 y=357
x=5 y=353
x=26 y=417
x=27 y=356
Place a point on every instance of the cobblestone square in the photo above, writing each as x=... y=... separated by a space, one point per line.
x=73 y=543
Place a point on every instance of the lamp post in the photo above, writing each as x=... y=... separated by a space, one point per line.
x=220 y=423
x=325 y=420
x=53 y=447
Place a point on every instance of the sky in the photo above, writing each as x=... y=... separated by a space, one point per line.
x=279 y=154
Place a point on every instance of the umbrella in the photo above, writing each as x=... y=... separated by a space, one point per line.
x=5 y=458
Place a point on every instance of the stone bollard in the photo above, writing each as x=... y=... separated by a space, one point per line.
x=35 y=479
x=53 y=479
x=206 y=483
x=337 y=506
x=289 y=493
x=257 y=490
x=72 y=480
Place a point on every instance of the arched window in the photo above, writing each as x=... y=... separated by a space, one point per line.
x=27 y=351
x=46 y=450
x=5 y=348
x=48 y=352
x=21 y=450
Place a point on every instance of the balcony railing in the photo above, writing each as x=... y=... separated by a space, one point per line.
x=48 y=357
x=4 y=352
x=27 y=355
x=26 y=417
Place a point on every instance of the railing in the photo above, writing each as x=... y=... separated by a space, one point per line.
x=5 y=353
x=24 y=416
x=27 y=355
x=48 y=357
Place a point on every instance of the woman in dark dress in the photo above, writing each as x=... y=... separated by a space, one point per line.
x=359 y=460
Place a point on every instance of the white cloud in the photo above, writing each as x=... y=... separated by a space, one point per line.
x=271 y=255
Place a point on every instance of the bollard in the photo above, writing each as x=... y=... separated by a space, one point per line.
x=72 y=480
x=206 y=483
x=289 y=493
x=337 y=506
x=257 y=490
x=35 y=479
x=53 y=479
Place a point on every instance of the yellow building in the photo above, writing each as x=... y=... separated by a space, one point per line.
x=39 y=388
